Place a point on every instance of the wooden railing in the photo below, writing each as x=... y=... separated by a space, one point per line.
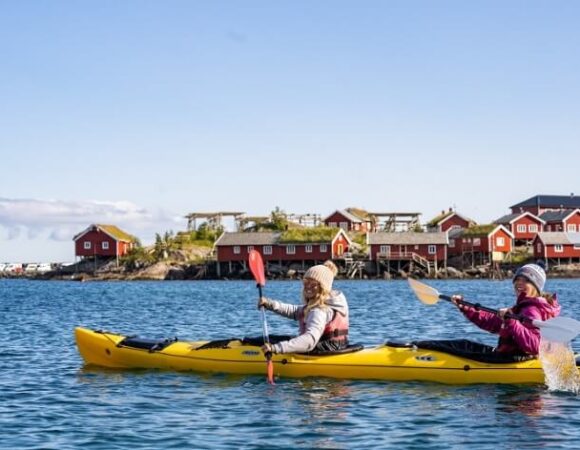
x=407 y=256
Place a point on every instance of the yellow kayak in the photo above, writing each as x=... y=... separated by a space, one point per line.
x=390 y=361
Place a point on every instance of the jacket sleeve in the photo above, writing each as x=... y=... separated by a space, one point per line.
x=316 y=321
x=284 y=309
x=526 y=337
x=485 y=320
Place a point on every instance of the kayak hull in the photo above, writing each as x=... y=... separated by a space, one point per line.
x=382 y=362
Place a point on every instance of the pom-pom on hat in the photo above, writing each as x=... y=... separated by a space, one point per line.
x=323 y=274
x=534 y=273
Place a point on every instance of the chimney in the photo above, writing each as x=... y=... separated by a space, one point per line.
x=450 y=209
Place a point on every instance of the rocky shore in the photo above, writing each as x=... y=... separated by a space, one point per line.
x=185 y=271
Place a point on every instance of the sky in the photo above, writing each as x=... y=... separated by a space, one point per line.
x=136 y=113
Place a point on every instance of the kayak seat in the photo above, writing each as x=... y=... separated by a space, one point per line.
x=472 y=350
x=399 y=344
x=152 y=345
x=351 y=348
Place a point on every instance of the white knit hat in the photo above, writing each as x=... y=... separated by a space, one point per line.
x=534 y=273
x=322 y=274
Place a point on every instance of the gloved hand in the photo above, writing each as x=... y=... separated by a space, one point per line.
x=263 y=302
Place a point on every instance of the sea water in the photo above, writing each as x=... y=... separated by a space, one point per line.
x=48 y=400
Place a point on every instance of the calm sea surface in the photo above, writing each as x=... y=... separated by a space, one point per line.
x=49 y=401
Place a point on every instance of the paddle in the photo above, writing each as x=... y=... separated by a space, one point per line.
x=257 y=269
x=558 y=329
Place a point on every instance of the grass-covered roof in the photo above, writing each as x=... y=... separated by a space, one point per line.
x=317 y=234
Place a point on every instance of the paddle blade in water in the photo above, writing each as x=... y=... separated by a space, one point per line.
x=257 y=267
x=559 y=365
x=270 y=371
x=558 y=329
x=426 y=294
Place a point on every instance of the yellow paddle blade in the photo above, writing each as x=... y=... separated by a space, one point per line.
x=426 y=294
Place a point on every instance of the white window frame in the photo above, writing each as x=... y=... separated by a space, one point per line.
x=267 y=249
x=521 y=228
x=539 y=247
x=87 y=245
x=451 y=243
x=323 y=248
x=237 y=250
x=105 y=245
x=576 y=246
x=432 y=249
x=500 y=241
x=290 y=249
x=533 y=228
x=476 y=242
x=250 y=248
x=385 y=249
x=558 y=248
x=344 y=226
x=308 y=248
x=571 y=228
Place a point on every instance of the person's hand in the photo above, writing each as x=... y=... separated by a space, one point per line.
x=456 y=300
x=267 y=349
x=502 y=312
x=263 y=302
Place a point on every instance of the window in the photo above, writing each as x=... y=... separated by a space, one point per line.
x=416 y=247
x=576 y=246
x=267 y=249
x=344 y=226
x=559 y=248
x=500 y=241
x=308 y=248
x=236 y=249
x=521 y=228
x=571 y=227
x=533 y=228
x=291 y=249
x=105 y=245
x=432 y=249
x=385 y=249
x=87 y=245
x=323 y=248
x=477 y=242
x=332 y=224
x=539 y=247
x=548 y=228
x=250 y=248
x=451 y=243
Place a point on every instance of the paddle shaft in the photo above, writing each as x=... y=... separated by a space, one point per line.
x=479 y=307
x=265 y=332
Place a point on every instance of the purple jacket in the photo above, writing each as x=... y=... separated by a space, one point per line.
x=516 y=336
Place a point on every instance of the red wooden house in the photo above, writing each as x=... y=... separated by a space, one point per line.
x=523 y=226
x=557 y=246
x=564 y=220
x=481 y=244
x=428 y=250
x=103 y=241
x=449 y=220
x=539 y=204
x=350 y=219
x=309 y=246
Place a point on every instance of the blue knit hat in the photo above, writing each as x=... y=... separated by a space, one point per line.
x=534 y=273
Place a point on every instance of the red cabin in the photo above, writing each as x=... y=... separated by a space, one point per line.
x=281 y=247
x=481 y=244
x=428 y=250
x=557 y=246
x=103 y=241
x=523 y=226
x=539 y=204
x=449 y=220
x=350 y=219
x=565 y=220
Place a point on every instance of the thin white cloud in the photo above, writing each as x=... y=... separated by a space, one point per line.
x=61 y=220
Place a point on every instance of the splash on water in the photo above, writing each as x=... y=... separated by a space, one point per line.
x=559 y=364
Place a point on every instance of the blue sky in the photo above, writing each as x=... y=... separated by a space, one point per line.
x=139 y=112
